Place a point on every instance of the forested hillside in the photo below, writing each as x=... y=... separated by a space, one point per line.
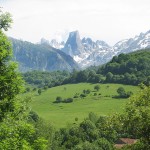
x=133 y=68
x=130 y=69
x=48 y=79
x=40 y=57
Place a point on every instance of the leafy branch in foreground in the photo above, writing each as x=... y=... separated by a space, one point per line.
x=15 y=131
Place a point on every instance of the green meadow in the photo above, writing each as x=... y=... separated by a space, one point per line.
x=62 y=114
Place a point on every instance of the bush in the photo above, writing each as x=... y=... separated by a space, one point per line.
x=39 y=91
x=34 y=89
x=97 y=87
x=82 y=95
x=88 y=91
x=123 y=94
x=68 y=100
x=76 y=95
x=58 y=99
x=27 y=89
x=45 y=87
x=33 y=116
x=95 y=94
x=129 y=94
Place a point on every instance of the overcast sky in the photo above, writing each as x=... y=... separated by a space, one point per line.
x=108 y=20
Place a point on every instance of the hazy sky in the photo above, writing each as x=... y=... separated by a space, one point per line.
x=108 y=20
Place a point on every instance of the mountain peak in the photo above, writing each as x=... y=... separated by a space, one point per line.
x=73 y=45
x=74 y=34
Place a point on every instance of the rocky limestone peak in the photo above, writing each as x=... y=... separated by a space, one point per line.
x=73 y=45
x=87 y=41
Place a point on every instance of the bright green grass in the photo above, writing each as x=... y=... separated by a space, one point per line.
x=65 y=113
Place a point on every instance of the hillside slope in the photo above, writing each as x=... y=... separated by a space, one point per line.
x=41 y=57
x=132 y=68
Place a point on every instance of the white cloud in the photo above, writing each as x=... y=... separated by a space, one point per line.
x=109 y=20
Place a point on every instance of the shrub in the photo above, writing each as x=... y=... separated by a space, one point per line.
x=27 y=89
x=34 y=89
x=88 y=91
x=68 y=100
x=39 y=91
x=97 y=87
x=76 y=95
x=82 y=95
x=45 y=87
x=58 y=99
x=95 y=94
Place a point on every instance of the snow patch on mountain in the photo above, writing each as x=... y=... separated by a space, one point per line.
x=87 y=52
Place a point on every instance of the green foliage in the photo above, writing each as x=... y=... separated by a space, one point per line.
x=39 y=91
x=76 y=95
x=86 y=91
x=45 y=79
x=58 y=99
x=87 y=146
x=95 y=94
x=15 y=131
x=68 y=100
x=10 y=80
x=130 y=68
x=82 y=95
x=45 y=87
x=137 y=114
x=33 y=116
x=5 y=20
x=34 y=89
x=100 y=133
x=87 y=135
x=123 y=94
x=97 y=87
x=104 y=144
x=45 y=130
x=88 y=75
x=134 y=122
x=28 y=89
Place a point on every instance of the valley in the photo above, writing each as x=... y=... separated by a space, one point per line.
x=72 y=90
x=61 y=114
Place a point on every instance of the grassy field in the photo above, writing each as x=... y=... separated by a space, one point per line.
x=65 y=113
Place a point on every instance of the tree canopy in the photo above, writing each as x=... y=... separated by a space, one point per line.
x=15 y=130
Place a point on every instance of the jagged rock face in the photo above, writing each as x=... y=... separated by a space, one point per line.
x=87 y=52
x=141 y=41
x=54 y=43
x=44 y=41
x=41 y=57
x=73 y=45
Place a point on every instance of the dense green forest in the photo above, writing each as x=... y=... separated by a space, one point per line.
x=42 y=79
x=130 y=68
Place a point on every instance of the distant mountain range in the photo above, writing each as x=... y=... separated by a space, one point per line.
x=87 y=52
x=41 y=57
x=75 y=53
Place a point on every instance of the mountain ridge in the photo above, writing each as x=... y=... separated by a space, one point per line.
x=75 y=53
x=40 y=57
x=99 y=52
